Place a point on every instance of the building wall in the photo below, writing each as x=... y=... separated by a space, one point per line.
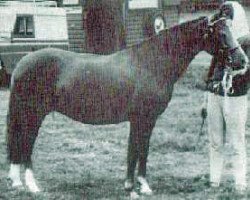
x=76 y=31
x=104 y=26
x=134 y=23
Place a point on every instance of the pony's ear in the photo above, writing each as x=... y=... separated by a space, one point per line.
x=208 y=31
x=222 y=22
x=214 y=17
x=217 y=24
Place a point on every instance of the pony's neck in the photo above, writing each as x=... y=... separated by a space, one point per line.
x=185 y=51
x=166 y=56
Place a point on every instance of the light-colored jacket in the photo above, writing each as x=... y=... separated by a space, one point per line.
x=239 y=27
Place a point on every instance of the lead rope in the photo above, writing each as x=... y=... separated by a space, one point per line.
x=203 y=116
x=227 y=86
x=227 y=89
x=227 y=82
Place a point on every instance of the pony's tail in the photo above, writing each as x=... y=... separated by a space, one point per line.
x=14 y=129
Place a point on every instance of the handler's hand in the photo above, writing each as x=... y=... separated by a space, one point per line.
x=204 y=113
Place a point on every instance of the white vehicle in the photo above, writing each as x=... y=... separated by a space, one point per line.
x=28 y=26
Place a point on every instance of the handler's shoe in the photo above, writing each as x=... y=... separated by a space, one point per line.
x=214 y=185
x=215 y=191
x=241 y=191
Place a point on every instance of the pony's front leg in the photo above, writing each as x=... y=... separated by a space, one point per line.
x=132 y=158
x=140 y=132
x=14 y=175
x=147 y=127
x=144 y=186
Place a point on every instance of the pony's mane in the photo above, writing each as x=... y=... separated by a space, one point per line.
x=186 y=26
x=182 y=27
x=189 y=24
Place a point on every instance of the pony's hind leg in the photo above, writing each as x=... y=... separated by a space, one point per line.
x=14 y=175
x=13 y=141
x=23 y=126
x=33 y=122
x=30 y=181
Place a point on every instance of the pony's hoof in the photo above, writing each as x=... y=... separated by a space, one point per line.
x=33 y=188
x=14 y=175
x=128 y=185
x=144 y=186
x=31 y=182
x=146 y=191
x=17 y=183
x=134 y=195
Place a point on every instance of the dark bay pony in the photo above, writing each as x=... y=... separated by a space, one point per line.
x=134 y=85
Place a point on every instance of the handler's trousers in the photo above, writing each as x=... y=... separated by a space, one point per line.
x=227 y=118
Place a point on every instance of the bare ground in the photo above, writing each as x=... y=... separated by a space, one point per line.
x=75 y=161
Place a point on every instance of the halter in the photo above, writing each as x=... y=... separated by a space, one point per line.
x=232 y=50
x=229 y=73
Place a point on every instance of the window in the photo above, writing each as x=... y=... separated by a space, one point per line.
x=140 y=4
x=167 y=3
x=70 y=2
x=24 y=27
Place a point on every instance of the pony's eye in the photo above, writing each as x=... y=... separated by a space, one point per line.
x=210 y=30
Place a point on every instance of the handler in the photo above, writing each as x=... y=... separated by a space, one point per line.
x=227 y=112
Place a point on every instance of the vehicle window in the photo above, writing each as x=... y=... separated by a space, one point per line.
x=24 y=27
x=70 y=2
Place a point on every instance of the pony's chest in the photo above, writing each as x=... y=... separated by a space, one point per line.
x=152 y=98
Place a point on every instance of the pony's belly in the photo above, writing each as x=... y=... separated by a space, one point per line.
x=95 y=110
x=100 y=120
x=98 y=117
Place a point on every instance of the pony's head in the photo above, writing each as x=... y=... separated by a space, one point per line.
x=220 y=41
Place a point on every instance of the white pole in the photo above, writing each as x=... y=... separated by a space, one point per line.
x=34 y=2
